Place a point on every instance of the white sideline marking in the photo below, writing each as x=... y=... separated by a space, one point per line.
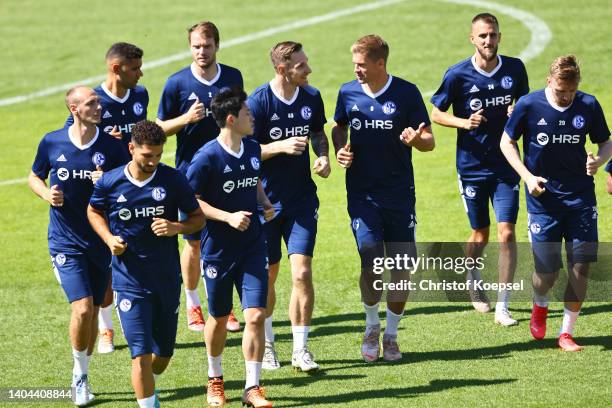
x=225 y=44
x=540 y=37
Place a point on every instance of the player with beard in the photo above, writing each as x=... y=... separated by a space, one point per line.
x=481 y=91
x=184 y=110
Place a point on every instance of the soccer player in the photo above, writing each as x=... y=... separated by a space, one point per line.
x=558 y=174
x=184 y=110
x=134 y=209
x=387 y=118
x=481 y=90
x=287 y=113
x=123 y=104
x=74 y=158
x=225 y=177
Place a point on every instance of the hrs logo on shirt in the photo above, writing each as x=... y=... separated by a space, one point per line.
x=126 y=214
x=477 y=104
x=543 y=139
x=276 y=132
x=64 y=174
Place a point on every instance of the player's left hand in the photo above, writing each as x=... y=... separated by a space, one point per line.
x=510 y=110
x=410 y=136
x=268 y=211
x=592 y=164
x=95 y=175
x=321 y=166
x=164 y=228
x=115 y=133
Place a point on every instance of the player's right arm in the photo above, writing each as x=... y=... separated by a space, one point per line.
x=341 y=147
x=99 y=223
x=239 y=220
x=293 y=146
x=53 y=195
x=169 y=117
x=449 y=120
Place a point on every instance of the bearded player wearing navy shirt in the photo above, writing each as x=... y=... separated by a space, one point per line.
x=225 y=177
x=184 y=110
x=289 y=113
x=558 y=174
x=387 y=118
x=123 y=104
x=134 y=209
x=481 y=91
x=74 y=158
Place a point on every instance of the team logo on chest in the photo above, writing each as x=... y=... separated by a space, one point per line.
x=63 y=173
x=158 y=193
x=306 y=112
x=475 y=104
x=98 y=159
x=138 y=109
x=125 y=214
x=578 y=121
x=506 y=82
x=389 y=108
x=255 y=163
x=276 y=133
x=542 y=139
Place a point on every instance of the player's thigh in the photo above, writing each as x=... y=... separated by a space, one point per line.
x=581 y=235
x=99 y=276
x=273 y=231
x=300 y=231
x=367 y=225
x=505 y=201
x=165 y=321
x=218 y=279
x=475 y=196
x=135 y=312
x=251 y=277
x=545 y=234
x=71 y=270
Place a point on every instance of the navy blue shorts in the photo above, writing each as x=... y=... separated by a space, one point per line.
x=82 y=273
x=476 y=196
x=297 y=227
x=149 y=320
x=577 y=227
x=375 y=228
x=248 y=274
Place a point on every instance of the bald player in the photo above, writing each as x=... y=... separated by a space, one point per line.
x=74 y=158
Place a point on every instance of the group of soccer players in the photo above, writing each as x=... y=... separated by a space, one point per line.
x=243 y=183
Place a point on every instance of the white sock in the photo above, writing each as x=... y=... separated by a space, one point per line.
x=392 y=323
x=253 y=369
x=148 y=402
x=540 y=300
x=503 y=297
x=569 y=319
x=269 y=333
x=300 y=337
x=372 y=318
x=191 y=298
x=81 y=362
x=105 y=318
x=214 y=366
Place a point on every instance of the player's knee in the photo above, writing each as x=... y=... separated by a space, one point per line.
x=83 y=309
x=142 y=362
x=506 y=235
x=255 y=316
x=302 y=277
x=480 y=236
